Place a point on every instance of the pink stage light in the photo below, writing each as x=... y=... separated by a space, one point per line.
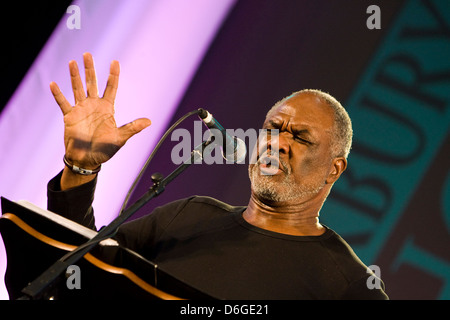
x=159 y=45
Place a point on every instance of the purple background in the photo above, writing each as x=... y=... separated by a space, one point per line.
x=235 y=59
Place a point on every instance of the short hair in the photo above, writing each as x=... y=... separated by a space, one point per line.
x=342 y=134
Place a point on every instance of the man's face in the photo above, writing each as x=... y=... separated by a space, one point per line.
x=305 y=124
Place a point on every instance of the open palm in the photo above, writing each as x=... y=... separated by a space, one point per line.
x=91 y=136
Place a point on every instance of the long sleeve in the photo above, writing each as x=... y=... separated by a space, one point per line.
x=74 y=204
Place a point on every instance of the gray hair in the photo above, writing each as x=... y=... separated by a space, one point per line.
x=342 y=131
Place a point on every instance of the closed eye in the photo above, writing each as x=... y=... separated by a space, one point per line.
x=302 y=136
x=299 y=135
x=302 y=140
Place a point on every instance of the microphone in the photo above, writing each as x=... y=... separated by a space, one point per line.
x=233 y=148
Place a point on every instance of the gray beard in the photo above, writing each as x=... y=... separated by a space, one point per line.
x=272 y=189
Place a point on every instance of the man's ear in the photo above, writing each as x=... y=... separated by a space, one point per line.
x=337 y=167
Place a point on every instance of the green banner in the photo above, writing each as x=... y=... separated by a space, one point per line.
x=401 y=114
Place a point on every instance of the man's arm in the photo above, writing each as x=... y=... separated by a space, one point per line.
x=74 y=204
x=91 y=136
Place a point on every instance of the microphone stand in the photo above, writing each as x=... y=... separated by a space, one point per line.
x=39 y=288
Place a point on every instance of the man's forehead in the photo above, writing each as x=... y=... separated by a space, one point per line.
x=304 y=108
x=303 y=104
x=302 y=100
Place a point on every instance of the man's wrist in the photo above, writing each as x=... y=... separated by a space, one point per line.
x=70 y=179
x=79 y=170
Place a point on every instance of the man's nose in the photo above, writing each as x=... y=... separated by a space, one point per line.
x=274 y=142
x=284 y=142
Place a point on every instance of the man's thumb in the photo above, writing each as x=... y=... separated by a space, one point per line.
x=130 y=129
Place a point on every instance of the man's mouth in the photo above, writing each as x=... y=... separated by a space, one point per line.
x=270 y=165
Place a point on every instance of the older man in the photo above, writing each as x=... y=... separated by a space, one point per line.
x=273 y=248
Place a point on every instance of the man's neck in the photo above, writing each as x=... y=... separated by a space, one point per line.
x=298 y=219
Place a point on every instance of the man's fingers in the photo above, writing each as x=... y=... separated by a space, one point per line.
x=91 y=78
x=130 y=129
x=113 y=82
x=60 y=99
x=77 y=85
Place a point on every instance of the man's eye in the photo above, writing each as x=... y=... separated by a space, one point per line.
x=302 y=140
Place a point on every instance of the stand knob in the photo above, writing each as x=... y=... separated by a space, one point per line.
x=157 y=177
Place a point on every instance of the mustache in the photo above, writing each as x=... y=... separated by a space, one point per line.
x=273 y=158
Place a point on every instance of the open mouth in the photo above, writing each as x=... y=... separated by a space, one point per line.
x=269 y=165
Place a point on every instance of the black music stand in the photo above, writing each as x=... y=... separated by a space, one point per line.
x=31 y=251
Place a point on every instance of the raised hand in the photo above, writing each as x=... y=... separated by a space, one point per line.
x=91 y=136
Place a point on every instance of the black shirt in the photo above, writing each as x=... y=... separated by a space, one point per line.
x=207 y=244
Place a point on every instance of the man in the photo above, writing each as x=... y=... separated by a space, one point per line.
x=274 y=248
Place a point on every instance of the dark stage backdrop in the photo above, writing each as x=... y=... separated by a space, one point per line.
x=393 y=203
